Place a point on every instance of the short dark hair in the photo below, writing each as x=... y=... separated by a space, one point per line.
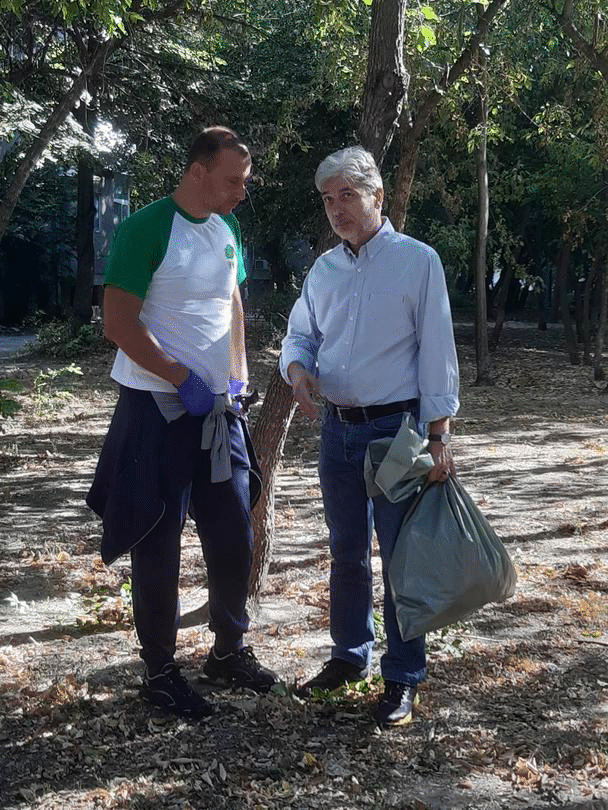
x=211 y=141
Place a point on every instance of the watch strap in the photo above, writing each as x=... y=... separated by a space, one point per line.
x=444 y=438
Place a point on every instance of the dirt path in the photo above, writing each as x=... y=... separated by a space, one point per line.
x=515 y=709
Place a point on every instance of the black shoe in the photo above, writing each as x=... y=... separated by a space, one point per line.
x=170 y=690
x=396 y=704
x=240 y=668
x=335 y=673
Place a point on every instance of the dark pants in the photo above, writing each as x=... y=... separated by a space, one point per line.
x=351 y=517
x=223 y=521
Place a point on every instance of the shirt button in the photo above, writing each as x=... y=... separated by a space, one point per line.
x=343 y=366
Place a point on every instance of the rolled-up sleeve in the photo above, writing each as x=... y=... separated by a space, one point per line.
x=302 y=341
x=437 y=360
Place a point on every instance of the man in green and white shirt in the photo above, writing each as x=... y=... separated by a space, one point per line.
x=172 y=306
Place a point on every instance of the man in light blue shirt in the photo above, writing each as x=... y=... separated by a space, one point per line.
x=372 y=334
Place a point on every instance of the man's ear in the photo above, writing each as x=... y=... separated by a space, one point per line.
x=379 y=195
x=197 y=170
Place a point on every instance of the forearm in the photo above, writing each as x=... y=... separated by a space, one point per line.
x=440 y=425
x=294 y=366
x=238 y=354
x=136 y=341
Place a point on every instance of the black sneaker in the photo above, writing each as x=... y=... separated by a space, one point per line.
x=334 y=673
x=170 y=690
x=240 y=668
x=396 y=705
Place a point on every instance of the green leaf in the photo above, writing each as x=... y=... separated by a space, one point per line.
x=428 y=13
x=428 y=35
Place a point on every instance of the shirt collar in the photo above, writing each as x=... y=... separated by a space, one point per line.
x=373 y=246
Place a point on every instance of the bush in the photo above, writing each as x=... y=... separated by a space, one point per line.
x=56 y=339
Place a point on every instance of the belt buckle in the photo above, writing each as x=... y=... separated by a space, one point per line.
x=339 y=413
x=365 y=416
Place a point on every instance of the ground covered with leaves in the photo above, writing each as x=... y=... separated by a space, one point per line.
x=514 y=712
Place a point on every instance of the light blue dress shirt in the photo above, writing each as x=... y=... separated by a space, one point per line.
x=376 y=328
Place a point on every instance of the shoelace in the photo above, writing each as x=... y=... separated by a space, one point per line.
x=247 y=656
x=177 y=679
x=393 y=692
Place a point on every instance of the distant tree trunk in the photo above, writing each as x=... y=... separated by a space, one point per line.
x=563 y=265
x=483 y=206
x=278 y=269
x=554 y=296
x=586 y=311
x=85 y=249
x=600 y=335
x=501 y=304
x=385 y=88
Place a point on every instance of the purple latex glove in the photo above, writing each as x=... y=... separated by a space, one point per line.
x=196 y=395
x=236 y=387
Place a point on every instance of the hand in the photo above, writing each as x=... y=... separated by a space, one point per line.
x=303 y=384
x=196 y=395
x=442 y=460
x=236 y=387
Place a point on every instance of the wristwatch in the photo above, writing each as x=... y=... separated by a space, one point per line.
x=444 y=438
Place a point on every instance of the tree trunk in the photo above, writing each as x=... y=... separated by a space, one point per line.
x=85 y=249
x=385 y=89
x=586 y=311
x=386 y=81
x=501 y=304
x=269 y=435
x=482 y=353
x=600 y=335
x=406 y=170
x=563 y=265
x=49 y=130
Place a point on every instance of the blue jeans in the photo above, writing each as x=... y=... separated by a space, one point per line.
x=351 y=517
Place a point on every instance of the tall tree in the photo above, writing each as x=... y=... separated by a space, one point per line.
x=81 y=39
x=385 y=88
x=414 y=122
x=482 y=352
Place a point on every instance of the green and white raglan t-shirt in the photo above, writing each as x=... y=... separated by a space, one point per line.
x=185 y=270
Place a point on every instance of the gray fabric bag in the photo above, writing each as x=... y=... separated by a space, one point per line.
x=447 y=562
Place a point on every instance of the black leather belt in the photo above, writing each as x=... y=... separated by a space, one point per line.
x=360 y=414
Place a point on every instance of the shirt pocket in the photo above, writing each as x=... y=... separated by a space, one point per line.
x=388 y=313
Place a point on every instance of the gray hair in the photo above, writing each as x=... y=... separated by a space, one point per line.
x=355 y=164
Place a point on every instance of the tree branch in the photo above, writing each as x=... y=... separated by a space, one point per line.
x=596 y=58
x=458 y=69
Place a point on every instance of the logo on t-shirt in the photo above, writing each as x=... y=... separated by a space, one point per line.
x=229 y=252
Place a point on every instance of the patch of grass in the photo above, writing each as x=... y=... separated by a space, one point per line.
x=46 y=395
x=8 y=405
x=444 y=640
x=106 y=609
